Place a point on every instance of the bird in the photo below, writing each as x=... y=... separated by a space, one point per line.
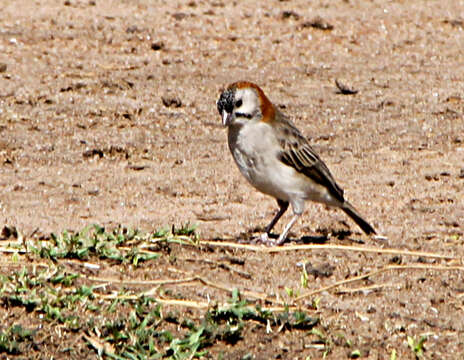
x=276 y=159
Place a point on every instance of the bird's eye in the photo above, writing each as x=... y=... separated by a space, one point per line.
x=238 y=103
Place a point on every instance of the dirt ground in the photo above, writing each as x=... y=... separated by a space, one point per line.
x=108 y=116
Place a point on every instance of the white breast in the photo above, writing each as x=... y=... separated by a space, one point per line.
x=255 y=150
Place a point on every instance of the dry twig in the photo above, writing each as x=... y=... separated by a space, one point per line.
x=379 y=271
x=364 y=288
x=188 y=303
x=345 y=90
x=276 y=249
x=247 y=293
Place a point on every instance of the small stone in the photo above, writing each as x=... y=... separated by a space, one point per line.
x=454 y=22
x=322 y=270
x=453 y=99
x=179 y=16
x=287 y=14
x=158 y=45
x=92 y=153
x=431 y=177
x=137 y=167
x=344 y=89
x=318 y=23
x=171 y=101
x=3 y=67
x=132 y=29
x=9 y=231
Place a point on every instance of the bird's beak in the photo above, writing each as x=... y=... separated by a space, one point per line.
x=226 y=118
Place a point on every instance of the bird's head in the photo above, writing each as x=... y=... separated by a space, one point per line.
x=242 y=102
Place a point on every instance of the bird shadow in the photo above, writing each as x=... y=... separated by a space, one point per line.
x=311 y=239
x=250 y=237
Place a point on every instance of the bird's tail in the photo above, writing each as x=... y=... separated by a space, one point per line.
x=352 y=213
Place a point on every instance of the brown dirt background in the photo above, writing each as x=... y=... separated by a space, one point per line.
x=85 y=138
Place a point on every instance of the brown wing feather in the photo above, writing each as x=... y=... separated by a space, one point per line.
x=298 y=154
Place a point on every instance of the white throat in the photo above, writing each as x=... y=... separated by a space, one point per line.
x=250 y=101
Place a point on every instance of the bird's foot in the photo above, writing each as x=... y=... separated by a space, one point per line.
x=380 y=238
x=263 y=239
x=266 y=240
x=257 y=240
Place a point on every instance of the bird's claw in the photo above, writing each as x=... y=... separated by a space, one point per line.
x=263 y=239
x=257 y=240
x=266 y=240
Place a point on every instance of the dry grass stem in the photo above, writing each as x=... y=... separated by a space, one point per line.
x=143 y=282
x=190 y=303
x=365 y=288
x=379 y=271
x=12 y=250
x=246 y=293
x=276 y=249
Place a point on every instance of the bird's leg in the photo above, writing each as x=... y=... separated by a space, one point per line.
x=264 y=238
x=287 y=228
x=283 y=206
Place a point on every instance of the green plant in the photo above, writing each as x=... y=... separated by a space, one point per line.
x=34 y=292
x=417 y=346
x=323 y=339
x=115 y=321
x=12 y=339
x=94 y=240
x=304 y=276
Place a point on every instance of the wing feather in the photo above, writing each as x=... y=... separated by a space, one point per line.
x=298 y=153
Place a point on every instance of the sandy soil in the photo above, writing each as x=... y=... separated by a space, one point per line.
x=108 y=116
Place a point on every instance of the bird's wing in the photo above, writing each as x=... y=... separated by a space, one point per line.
x=297 y=153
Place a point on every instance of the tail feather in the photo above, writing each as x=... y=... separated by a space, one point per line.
x=352 y=213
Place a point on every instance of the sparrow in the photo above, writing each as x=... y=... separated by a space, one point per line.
x=275 y=158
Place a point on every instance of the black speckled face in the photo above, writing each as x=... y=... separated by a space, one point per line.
x=226 y=102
